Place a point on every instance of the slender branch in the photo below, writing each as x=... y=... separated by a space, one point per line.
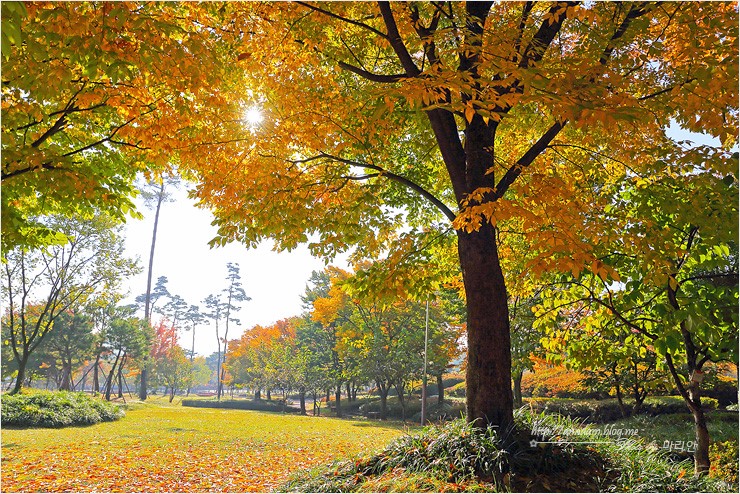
x=370 y=76
x=395 y=177
x=343 y=19
x=513 y=173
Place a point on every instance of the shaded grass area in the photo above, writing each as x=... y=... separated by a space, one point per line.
x=160 y=448
x=545 y=454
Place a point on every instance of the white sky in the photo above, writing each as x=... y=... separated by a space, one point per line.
x=274 y=281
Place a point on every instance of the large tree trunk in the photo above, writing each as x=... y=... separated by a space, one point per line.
x=489 y=396
x=257 y=394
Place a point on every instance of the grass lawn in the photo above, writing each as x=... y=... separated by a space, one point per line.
x=158 y=448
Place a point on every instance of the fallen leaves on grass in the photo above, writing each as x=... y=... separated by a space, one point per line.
x=170 y=449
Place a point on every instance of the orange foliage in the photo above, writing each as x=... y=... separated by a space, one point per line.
x=553 y=381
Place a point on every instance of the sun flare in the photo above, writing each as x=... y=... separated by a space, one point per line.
x=253 y=116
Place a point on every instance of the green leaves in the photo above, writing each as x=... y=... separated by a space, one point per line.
x=10 y=33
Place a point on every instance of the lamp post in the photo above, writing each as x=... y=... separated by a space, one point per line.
x=424 y=376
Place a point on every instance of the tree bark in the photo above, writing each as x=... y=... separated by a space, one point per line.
x=383 y=390
x=701 y=455
x=147 y=300
x=440 y=389
x=338 y=396
x=488 y=378
x=620 y=400
x=302 y=400
x=109 y=381
x=518 y=401
x=96 y=378
x=401 y=400
x=20 y=377
x=257 y=394
x=120 y=380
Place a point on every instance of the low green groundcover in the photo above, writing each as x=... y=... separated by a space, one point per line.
x=545 y=454
x=56 y=409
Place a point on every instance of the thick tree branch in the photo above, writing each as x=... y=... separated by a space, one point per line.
x=549 y=28
x=394 y=38
x=537 y=148
x=634 y=12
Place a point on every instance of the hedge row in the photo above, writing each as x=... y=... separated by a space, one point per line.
x=435 y=411
x=608 y=410
x=258 y=405
x=56 y=409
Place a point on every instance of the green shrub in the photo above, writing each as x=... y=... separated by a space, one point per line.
x=600 y=411
x=258 y=405
x=458 y=390
x=723 y=458
x=452 y=380
x=437 y=412
x=56 y=409
x=393 y=407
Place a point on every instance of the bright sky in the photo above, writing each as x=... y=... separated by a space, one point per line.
x=274 y=281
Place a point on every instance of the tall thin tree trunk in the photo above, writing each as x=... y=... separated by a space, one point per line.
x=383 y=390
x=147 y=300
x=488 y=378
x=302 y=399
x=96 y=378
x=440 y=389
x=120 y=377
x=338 y=397
x=518 y=389
x=109 y=381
